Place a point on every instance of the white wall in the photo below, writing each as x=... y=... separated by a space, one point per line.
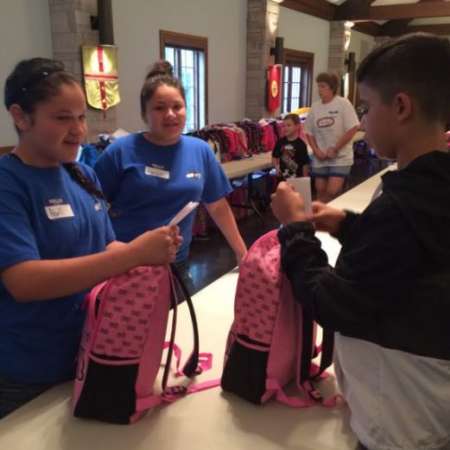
x=137 y=36
x=306 y=33
x=24 y=33
x=361 y=44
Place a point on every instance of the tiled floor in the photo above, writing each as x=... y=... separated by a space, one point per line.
x=212 y=257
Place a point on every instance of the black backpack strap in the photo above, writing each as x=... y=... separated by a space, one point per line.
x=173 y=301
x=191 y=366
x=307 y=328
x=308 y=351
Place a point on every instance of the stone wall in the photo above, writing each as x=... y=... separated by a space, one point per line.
x=71 y=28
x=262 y=25
x=336 y=54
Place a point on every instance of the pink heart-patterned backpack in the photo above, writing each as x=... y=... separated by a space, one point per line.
x=122 y=345
x=272 y=339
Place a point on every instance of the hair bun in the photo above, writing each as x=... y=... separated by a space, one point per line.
x=160 y=68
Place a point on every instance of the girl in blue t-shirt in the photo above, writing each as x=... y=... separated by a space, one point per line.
x=56 y=240
x=148 y=177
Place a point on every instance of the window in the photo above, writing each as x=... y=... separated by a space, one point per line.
x=297 y=80
x=188 y=56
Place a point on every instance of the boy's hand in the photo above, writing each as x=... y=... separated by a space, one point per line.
x=326 y=218
x=288 y=205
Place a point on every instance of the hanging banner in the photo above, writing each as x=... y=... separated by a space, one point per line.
x=101 y=78
x=274 y=87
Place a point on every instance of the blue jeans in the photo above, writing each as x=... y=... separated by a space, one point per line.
x=14 y=395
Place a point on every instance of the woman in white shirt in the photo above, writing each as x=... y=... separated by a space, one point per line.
x=330 y=127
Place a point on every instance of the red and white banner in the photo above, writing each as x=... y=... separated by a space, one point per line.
x=101 y=78
x=274 y=87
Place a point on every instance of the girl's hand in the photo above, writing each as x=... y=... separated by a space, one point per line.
x=156 y=247
x=239 y=257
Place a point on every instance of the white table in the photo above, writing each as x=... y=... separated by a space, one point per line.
x=242 y=167
x=246 y=167
x=208 y=420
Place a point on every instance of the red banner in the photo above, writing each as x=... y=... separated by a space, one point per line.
x=274 y=87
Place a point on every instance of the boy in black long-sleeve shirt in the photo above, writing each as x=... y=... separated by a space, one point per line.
x=388 y=298
x=290 y=155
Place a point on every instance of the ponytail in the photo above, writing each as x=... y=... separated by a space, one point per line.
x=80 y=178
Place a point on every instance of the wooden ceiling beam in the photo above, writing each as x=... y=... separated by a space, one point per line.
x=352 y=8
x=317 y=8
x=370 y=28
x=363 y=11
x=440 y=29
x=391 y=28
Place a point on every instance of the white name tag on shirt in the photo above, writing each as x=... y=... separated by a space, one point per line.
x=56 y=212
x=196 y=175
x=303 y=186
x=155 y=172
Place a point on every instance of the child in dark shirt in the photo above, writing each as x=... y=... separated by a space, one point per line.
x=290 y=155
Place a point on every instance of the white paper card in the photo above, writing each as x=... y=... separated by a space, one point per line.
x=303 y=186
x=187 y=209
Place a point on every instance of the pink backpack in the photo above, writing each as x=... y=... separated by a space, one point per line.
x=122 y=345
x=272 y=338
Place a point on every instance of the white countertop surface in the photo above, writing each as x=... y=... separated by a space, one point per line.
x=206 y=420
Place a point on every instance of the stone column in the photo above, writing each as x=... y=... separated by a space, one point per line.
x=336 y=50
x=71 y=28
x=262 y=25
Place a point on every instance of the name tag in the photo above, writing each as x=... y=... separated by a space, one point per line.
x=155 y=172
x=55 y=212
x=196 y=175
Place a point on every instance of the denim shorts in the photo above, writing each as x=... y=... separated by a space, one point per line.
x=330 y=171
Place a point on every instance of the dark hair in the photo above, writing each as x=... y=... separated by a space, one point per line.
x=418 y=64
x=34 y=81
x=329 y=78
x=160 y=74
x=79 y=177
x=293 y=117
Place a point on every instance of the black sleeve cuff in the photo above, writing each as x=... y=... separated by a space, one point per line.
x=288 y=232
x=346 y=225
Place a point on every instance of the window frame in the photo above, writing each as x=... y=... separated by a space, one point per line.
x=188 y=42
x=305 y=60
